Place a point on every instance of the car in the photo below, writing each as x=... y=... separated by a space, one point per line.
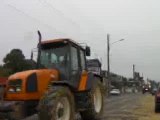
x=157 y=100
x=115 y=92
x=146 y=88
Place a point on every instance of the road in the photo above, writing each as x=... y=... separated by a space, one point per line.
x=121 y=107
x=126 y=107
x=130 y=107
x=146 y=110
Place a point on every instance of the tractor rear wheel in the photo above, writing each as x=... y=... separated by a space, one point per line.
x=96 y=104
x=59 y=106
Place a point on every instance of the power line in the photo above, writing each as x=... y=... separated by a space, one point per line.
x=54 y=9
x=35 y=19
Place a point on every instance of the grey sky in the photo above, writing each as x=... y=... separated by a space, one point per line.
x=137 y=21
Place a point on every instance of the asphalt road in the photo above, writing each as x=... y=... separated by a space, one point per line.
x=116 y=108
x=121 y=107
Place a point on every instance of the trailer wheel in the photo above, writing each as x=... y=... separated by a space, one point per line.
x=59 y=105
x=96 y=104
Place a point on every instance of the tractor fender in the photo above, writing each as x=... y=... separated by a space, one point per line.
x=50 y=93
x=92 y=79
x=98 y=77
x=63 y=83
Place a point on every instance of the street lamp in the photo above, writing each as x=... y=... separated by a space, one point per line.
x=108 y=55
x=117 y=41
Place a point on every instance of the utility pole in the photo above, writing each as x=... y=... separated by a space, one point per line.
x=108 y=62
x=108 y=55
x=133 y=71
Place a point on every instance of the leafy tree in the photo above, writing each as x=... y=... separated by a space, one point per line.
x=15 y=61
x=1 y=67
x=4 y=72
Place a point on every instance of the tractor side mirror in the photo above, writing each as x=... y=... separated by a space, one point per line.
x=88 y=51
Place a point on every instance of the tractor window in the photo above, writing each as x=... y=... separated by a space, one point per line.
x=74 y=59
x=55 y=57
x=82 y=60
x=32 y=83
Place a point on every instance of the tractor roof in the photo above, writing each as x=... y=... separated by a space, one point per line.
x=61 y=40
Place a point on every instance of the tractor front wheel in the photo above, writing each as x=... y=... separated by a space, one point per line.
x=59 y=106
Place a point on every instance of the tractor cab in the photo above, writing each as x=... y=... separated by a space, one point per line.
x=66 y=56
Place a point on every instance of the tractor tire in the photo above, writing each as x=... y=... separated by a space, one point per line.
x=18 y=113
x=57 y=105
x=96 y=103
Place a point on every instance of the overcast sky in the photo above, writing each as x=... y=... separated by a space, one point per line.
x=136 y=21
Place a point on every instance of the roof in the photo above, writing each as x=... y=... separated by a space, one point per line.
x=61 y=40
x=54 y=40
x=3 y=80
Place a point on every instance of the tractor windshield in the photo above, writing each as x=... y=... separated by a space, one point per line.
x=55 y=57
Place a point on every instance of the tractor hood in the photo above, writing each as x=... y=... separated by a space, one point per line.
x=30 y=85
x=41 y=74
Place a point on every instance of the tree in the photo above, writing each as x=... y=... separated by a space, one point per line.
x=1 y=66
x=15 y=61
x=4 y=72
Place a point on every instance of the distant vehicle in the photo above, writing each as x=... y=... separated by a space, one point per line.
x=146 y=88
x=115 y=92
x=154 y=90
x=157 y=100
x=94 y=66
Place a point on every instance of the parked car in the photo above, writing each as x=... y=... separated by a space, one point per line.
x=115 y=92
x=157 y=100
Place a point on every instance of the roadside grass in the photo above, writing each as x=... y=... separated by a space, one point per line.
x=146 y=110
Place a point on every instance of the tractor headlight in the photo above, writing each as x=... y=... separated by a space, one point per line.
x=18 y=89
x=15 y=85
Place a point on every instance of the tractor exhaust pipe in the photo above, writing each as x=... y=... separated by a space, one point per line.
x=39 y=48
x=40 y=36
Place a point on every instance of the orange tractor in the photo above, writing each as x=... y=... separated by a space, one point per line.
x=59 y=87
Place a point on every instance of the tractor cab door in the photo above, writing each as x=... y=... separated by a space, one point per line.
x=75 y=69
x=78 y=65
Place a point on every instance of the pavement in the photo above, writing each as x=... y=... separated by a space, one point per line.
x=133 y=106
